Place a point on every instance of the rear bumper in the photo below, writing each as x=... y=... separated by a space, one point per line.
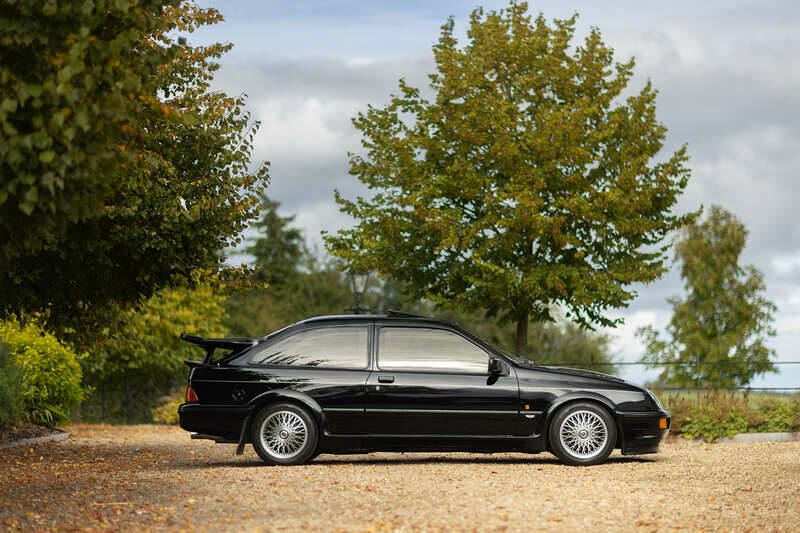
x=641 y=432
x=220 y=420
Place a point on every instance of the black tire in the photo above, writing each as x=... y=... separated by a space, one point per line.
x=582 y=434
x=284 y=434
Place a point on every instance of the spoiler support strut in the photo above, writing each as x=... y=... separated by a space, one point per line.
x=235 y=344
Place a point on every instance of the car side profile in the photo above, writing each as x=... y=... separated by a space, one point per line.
x=398 y=382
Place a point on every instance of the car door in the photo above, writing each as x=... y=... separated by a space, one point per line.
x=330 y=364
x=434 y=381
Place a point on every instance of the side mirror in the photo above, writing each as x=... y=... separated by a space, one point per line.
x=496 y=366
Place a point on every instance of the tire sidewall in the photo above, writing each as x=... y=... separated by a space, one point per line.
x=309 y=448
x=555 y=439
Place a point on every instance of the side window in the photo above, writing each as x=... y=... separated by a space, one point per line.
x=429 y=350
x=330 y=347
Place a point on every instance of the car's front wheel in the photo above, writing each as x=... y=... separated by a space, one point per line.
x=284 y=434
x=583 y=433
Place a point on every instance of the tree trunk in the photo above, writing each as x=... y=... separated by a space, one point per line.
x=522 y=334
x=128 y=406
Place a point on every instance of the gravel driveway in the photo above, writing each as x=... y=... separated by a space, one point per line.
x=151 y=477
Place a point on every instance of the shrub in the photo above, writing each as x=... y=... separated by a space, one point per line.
x=167 y=412
x=718 y=415
x=11 y=404
x=51 y=374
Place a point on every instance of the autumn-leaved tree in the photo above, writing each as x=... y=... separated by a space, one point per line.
x=122 y=170
x=526 y=182
x=718 y=332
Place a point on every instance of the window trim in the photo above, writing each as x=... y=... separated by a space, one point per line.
x=377 y=343
x=288 y=334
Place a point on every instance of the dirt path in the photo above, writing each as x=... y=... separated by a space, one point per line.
x=155 y=478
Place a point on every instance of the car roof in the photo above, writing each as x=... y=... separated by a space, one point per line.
x=390 y=316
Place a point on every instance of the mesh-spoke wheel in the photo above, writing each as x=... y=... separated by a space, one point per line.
x=583 y=434
x=284 y=434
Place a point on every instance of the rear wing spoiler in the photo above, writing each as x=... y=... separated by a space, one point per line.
x=235 y=344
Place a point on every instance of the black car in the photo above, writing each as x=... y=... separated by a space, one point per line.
x=398 y=382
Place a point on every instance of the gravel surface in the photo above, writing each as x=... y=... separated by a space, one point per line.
x=155 y=478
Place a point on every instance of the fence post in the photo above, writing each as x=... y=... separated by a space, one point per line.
x=697 y=378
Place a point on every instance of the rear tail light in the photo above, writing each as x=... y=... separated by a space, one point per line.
x=191 y=396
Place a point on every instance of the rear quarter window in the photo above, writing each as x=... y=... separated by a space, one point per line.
x=326 y=347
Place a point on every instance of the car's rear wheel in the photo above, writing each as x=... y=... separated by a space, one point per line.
x=583 y=433
x=284 y=434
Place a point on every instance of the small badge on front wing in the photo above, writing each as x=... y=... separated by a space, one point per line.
x=238 y=395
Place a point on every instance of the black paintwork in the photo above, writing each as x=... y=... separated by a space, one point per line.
x=373 y=410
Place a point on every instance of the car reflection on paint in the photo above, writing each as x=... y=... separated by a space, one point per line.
x=399 y=382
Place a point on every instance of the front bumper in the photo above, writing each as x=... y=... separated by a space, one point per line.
x=641 y=431
x=220 y=420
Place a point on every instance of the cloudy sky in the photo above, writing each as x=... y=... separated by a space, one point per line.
x=728 y=73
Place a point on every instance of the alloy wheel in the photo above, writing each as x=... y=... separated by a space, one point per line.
x=583 y=434
x=284 y=434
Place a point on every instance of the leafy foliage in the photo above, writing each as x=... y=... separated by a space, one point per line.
x=177 y=189
x=721 y=414
x=167 y=412
x=51 y=372
x=72 y=76
x=526 y=183
x=719 y=330
x=318 y=290
x=148 y=348
x=11 y=404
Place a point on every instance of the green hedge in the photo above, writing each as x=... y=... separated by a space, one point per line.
x=11 y=405
x=718 y=415
x=51 y=373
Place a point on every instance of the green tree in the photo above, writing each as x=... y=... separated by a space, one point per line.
x=279 y=250
x=72 y=80
x=718 y=331
x=146 y=349
x=526 y=184
x=317 y=288
x=179 y=189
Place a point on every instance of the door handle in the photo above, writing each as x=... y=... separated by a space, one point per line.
x=385 y=379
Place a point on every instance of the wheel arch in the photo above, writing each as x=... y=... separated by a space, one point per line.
x=288 y=396
x=574 y=397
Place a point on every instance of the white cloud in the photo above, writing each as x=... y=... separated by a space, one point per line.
x=304 y=128
x=321 y=216
x=624 y=341
x=786 y=263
